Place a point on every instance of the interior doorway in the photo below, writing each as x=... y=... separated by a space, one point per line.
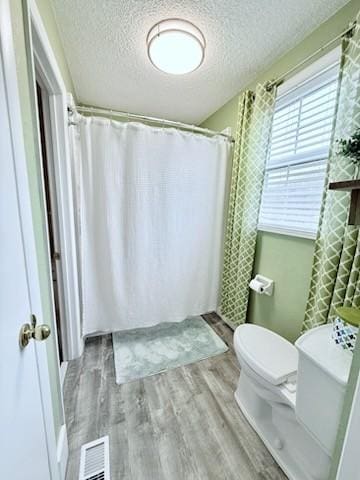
x=51 y=92
x=51 y=210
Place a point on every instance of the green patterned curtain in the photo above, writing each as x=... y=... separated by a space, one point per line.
x=336 y=268
x=251 y=145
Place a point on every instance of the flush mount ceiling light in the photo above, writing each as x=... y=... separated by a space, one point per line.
x=176 y=46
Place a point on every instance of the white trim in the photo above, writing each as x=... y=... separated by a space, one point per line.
x=51 y=178
x=63 y=370
x=10 y=76
x=349 y=462
x=326 y=61
x=62 y=452
x=288 y=232
x=51 y=77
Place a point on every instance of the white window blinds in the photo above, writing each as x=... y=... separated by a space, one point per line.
x=298 y=153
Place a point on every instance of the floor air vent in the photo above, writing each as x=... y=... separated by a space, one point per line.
x=95 y=460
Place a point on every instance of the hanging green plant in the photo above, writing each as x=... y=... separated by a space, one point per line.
x=350 y=147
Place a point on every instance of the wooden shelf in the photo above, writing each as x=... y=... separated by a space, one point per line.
x=352 y=186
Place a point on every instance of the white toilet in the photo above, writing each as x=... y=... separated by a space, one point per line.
x=293 y=395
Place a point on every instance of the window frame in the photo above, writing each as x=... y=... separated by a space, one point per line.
x=287 y=93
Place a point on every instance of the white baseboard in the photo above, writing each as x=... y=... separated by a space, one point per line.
x=62 y=452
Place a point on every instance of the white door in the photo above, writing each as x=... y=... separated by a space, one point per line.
x=23 y=444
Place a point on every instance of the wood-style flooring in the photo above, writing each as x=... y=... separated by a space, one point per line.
x=183 y=424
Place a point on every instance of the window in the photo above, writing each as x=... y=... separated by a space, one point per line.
x=299 y=149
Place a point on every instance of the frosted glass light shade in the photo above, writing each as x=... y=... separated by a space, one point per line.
x=176 y=46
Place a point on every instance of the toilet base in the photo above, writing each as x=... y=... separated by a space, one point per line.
x=298 y=455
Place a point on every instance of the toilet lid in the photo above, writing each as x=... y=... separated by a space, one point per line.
x=269 y=355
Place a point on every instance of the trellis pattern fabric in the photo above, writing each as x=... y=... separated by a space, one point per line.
x=336 y=268
x=252 y=140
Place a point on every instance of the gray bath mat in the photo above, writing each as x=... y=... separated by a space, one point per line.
x=143 y=352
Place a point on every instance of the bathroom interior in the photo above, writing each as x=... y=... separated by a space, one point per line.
x=193 y=176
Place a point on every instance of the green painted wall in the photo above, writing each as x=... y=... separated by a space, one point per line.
x=20 y=32
x=48 y=18
x=287 y=260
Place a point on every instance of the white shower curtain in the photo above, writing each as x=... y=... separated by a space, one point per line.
x=152 y=222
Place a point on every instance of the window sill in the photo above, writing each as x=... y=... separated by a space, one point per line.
x=287 y=232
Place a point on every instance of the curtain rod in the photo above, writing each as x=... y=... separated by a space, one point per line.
x=144 y=118
x=348 y=32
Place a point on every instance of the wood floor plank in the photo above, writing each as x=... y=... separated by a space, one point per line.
x=170 y=438
x=183 y=424
x=144 y=461
x=195 y=428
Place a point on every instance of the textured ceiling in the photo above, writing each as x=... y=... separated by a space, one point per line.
x=104 y=42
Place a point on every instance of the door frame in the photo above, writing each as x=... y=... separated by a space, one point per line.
x=348 y=463
x=43 y=62
x=57 y=449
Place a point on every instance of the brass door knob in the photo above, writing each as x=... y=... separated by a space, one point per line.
x=41 y=332
x=37 y=332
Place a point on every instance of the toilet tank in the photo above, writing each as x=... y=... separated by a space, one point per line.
x=323 y=373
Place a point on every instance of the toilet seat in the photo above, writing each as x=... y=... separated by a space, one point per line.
x=276 y=394
x=267 y=353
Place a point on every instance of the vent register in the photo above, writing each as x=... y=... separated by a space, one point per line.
x=95 y=460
